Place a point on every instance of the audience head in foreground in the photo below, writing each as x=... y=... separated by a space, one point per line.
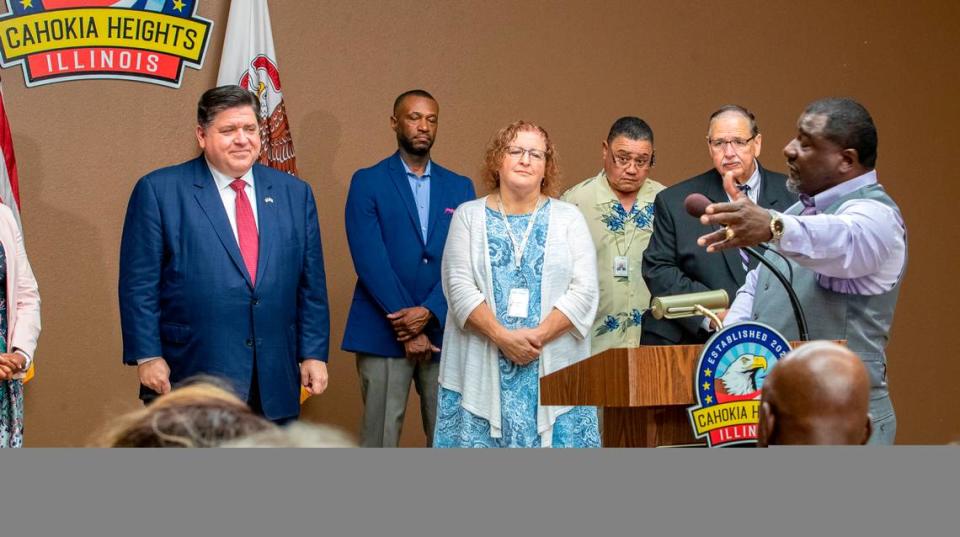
x=200 y=414
x=817 y=394
x=296 y=435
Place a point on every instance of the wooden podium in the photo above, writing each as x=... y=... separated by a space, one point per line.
x=644 y=392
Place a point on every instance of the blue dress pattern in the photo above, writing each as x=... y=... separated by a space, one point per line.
x=519 y=385
x=11 y=391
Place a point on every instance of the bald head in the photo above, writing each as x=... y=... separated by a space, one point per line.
x=816 y=394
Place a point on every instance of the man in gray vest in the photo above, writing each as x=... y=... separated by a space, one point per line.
x=845 y=241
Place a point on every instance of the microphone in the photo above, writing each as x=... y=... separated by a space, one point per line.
x=696 y=205
x=679 y=306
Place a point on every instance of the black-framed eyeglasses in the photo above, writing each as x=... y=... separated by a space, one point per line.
x=717 y=144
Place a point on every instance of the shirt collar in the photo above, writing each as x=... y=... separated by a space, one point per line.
x=426 y=170
x=223 y=180
x=605 y=193
x=830 y=195
x=754 y=181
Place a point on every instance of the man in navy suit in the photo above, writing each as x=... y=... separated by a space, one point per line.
x=221 y=269
x=397 y=216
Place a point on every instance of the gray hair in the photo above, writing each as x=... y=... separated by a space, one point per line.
x=297 y=435
x=736 y=108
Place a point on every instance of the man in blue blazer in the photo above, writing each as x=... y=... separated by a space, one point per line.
x=397 y=216
x=213 y=284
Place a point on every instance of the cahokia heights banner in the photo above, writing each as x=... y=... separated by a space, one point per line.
x=142 y=40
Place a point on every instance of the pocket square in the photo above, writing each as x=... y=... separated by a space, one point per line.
x=448 y=210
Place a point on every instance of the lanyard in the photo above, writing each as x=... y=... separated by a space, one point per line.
x=517 y=250
x=633 y=235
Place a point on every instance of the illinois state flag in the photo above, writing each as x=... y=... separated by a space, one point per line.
x=9 y=184
x=250 y=61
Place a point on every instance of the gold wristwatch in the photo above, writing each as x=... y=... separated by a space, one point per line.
x=776 y=226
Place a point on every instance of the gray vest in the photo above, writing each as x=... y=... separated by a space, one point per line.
x=864 y=321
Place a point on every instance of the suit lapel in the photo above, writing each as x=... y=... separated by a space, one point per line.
x=769 y=194
x=266 y=222
x=212 y=205
x=731 y=255
x=437 y=199
x=399 y=178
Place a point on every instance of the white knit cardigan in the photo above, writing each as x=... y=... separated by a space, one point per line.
x=468 y=362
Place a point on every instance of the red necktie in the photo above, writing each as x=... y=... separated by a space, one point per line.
x=246 y=230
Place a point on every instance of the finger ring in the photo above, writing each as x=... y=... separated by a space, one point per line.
x=730 y=233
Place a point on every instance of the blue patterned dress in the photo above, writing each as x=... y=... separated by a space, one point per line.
x=519 y=385
x=11 y=391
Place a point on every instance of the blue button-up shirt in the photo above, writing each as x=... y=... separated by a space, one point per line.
x=421 y=195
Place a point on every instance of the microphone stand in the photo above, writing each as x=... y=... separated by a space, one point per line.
x=794 y=301
x=695 y=208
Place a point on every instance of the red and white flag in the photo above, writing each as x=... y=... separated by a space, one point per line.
x=250 y=61
x=9 y=186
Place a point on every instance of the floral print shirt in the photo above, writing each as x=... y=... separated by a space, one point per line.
x=617 y=232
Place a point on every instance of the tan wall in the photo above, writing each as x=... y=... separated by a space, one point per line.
x=575 y=67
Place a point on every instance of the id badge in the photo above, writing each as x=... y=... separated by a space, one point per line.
x=518 y=304
x=621 y=266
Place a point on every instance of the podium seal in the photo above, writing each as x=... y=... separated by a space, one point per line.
x=730 y=374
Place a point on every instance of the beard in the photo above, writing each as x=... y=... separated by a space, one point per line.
x=793 y=184
x=409 y=147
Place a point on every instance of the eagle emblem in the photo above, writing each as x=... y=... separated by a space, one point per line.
x=729 y=379
x=276 y=141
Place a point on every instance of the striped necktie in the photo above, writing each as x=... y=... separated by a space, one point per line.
x=744 y=258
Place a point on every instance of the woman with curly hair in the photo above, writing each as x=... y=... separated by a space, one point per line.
x=519 y=274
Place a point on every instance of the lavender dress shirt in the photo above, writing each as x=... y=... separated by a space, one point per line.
x=861 y=249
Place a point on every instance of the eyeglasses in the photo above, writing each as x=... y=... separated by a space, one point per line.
x=623 y=161
x=518 y=152
x=737 y=143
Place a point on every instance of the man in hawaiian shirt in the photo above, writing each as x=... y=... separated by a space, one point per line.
x=618 y=206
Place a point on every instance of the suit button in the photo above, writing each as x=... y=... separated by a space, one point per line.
x=766 y=286
x=249 y=342
x=255 y=301
x=425 y=261
x=756 y=316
